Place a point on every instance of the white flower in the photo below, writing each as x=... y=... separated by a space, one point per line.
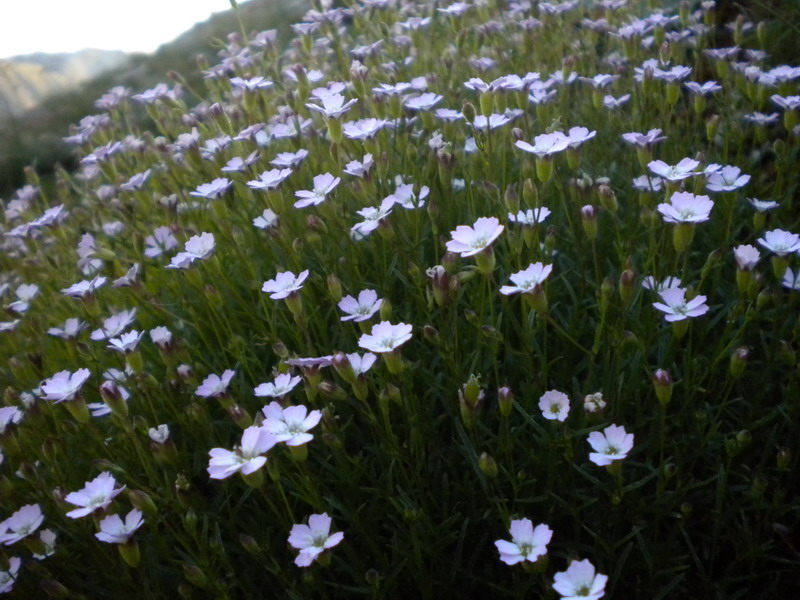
x=530 y=217
x=323 y=185
x=247 y=458
x=580 y=582
x=64 y=385
x=385 y=337
x=469 y=241
x=97 y=493
x=528 y=543
x=114 y=531
x=685 y=207
x=682 y=170
x=363 y=129
x=727 y=179
x=333 y=106
x=289 y=160
x=7 y=578
x=21 y=524
x=362 y=309
x=593 y=403
x=677 y=308
x=780 y=242
x=579 y=135
x=546 y=144
x=650 y=283
x=213 y=190
x=214 y=385
x=266 y=220
x=25 y=293
x=554 y=405
x=613 y=444
x=72 y=327
x=160 y=434
x=114 y=325
x=269 y=180
x=747 y=257
x=283 y=384
x=528 y=279
x=284 y=284
x=126 y=343
x=313 y=539
x=290 y=424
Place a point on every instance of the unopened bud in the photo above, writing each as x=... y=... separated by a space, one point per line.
x=662 y=382
x=487 y=465
x=589 y=221
x=739 y=361
x=505 y=400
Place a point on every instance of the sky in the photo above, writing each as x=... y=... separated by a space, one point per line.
x=28 y=26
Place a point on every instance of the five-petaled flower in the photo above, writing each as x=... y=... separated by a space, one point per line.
x=21 y=524
x=685 y=207
x=677 y=308
x=97 y=493
x=385 y=337
x=580 y=582
x=64 y=385
x=554 y=405
x=215 y=385
x=313 y=539
x=527 y=280
x=360 y=309
x=284 y=284
x=469 y=241
x=283 y=384
x=290 y=424
x=613 y=444
x=247 y=457
x=527 y=543
x=114 y=531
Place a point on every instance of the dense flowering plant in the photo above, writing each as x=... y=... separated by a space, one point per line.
x=417 y=269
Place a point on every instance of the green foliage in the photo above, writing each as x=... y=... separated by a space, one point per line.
x=423 y=461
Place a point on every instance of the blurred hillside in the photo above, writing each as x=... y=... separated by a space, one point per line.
x=25 y=81
x=34 y=136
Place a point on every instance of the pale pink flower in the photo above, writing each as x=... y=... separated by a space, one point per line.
x=97 y=493
x=554 y=405
x=685 y=207
x=284 y=284
x=333 y=106
x=361 y=309
x=530 y=217
x=683 y=170
x=780 y=242
x=580 y=582
x=64 y=385
x=727 y=179
x=385 y=337
x=290 y=424
x=114 y=531
x=528 y=543
x=269 y=180
x=469 y=241
x=323 y=185
x=676 y=307
x=214 y=385
x=213 y=190
x=21 y=524
x=282 y=385
x=527 y=280
x=579 y=135
x=313 y=539
x=613 y=444
x=246 y=458
x=546 y=144
x=747 y=257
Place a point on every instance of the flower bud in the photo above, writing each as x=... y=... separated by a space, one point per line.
x=589 y=221
x=330 y=390
x=334 y=287
x=472 y=390
x=511 y=199
x=195 y=575
x=739 y=361
x=626 y=286
x=240 y=416
x=712 y=126
x=54 y=589
x=487 y=465
x=468 y=110
x=505 y=400
x=142 y=502
x=249 y=543
x=431 y=334
x=342 y=365
x=112 y=396
x=662 y=382
x=529 y=193
x=784 y=459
